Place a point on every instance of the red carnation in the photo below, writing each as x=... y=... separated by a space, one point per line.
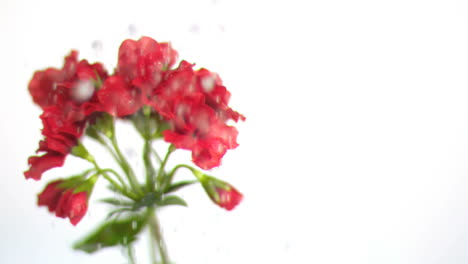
x=62 y=128
x=60 y=196
x=50 y=196
x=118 y=98
x=72 y=205
x=63 y=95
x=57 y=86
x=197 y=128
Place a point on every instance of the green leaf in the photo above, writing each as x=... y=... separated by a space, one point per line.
x=118 y=232
x=148 y=200
x=179 y=185
x=117 y=212
x=114 y=190
x=172 y=200
x=116 y=202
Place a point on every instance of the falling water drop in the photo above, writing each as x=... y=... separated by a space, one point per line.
x=97 y=45
x=132 y=30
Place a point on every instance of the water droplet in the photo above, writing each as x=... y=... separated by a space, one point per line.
x=132 y=30
x=82 y=91
x=208 y=84
x=97 y=45
x=194 y=28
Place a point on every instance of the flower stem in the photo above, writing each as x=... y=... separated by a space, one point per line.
x=155 y=230
x=112 y=182
x=160 y=177
x=156 y=155
x=117 y=176
x=171 y=174
x=126 y=167
x=130 y=252
x=150 y=173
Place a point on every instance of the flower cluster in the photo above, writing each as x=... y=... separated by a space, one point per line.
x=185 y=107
x=193 y=102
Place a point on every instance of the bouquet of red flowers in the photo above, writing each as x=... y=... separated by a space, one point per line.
x=186 y=108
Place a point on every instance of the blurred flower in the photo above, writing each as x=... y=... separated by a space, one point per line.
x=64 y=96
x=68 y=197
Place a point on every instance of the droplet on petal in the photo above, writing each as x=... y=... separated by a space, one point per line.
x=82 y=91
x=208 y=83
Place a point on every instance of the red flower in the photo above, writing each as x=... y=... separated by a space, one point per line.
x=142 y=65
x=197 y=128
x=144 y=60
x=228 y=198
x=63 y=201
x=50 y=196
x=40 y=164
x=62 y=128
x=62 y=95
x=118 y=98
x=216 y=95
x=73 y=206
x=53 y=86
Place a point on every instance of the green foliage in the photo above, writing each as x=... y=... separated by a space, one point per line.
x=179 y=185
x=171 y=200
x=113 y=233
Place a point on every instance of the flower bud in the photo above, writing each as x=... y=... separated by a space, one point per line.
x=220 y=192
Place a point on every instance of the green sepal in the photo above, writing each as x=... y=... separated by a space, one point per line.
x=172 y=200
x=113 y=233
x=81 y=152
x=179 y=185
x=210 y=184
x=88 y=185
x=161 y=128
x=145 y=122
x=75 y=180
x=104 y=124
x=94 y=134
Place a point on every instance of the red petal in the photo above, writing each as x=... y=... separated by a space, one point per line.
x=40 y=164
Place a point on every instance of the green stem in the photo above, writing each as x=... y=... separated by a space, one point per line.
x=113 y=183
x=126 y=167
x=150 y=173
x=116 y=158
x=171 y=174
x=160 y=178
x=131 y=256
x=117 y=176
x=152 y=248
x=156 y=155
x=155 y=229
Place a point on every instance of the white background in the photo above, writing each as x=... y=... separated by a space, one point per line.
x=355 y=147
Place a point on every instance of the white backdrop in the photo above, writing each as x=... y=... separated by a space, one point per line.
x=355 y=147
